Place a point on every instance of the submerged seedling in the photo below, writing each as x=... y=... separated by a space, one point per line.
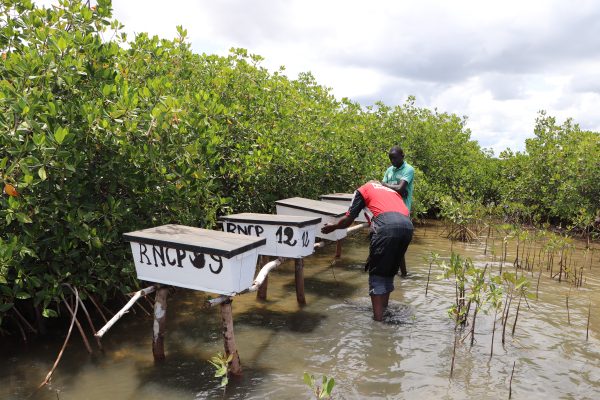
x=221 y=364
x=322 y=391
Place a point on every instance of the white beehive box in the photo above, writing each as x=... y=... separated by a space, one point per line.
x=195 y=258
x=345 y=199
x=329 y=213
x=287 y=236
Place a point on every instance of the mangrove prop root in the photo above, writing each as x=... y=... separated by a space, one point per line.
x=89 y=319
x=95 y=305
x=64 y=346
x=20 y=326
x=81 y=332
x=24 y=320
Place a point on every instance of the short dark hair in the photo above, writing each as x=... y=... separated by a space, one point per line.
x=396 y=149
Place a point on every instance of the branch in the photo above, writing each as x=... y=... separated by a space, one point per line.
x=260 y=278
x=123 y=310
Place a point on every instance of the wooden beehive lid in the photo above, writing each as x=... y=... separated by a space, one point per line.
x=337 y=196
x=196 y=239
x=316 y=206
x=272 y=219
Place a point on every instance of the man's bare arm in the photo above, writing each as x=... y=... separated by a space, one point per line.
x=401 y=188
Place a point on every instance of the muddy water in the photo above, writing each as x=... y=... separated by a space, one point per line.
x=408 y=357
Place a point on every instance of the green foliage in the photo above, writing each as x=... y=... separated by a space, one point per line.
x=558 y=178
x=324 y=390
x=221 y=364
x=460 y=215
x=100 y=135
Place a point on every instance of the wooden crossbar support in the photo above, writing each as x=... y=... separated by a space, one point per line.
x=124 y=310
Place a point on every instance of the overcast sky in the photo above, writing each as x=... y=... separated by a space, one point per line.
x=496 y=62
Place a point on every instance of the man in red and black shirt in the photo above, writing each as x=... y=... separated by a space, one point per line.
x=391 y=233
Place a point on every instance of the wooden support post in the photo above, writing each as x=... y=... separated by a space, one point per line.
x=261 y=294
x=299 y=274
x=160 y=320
x=228 y=338
x=338 y=248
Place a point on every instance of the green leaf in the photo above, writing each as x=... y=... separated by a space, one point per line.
x=329 y=387
x=42 y=173
x=308 y=379
x=60 y=134
x=62 y=44
x=23 y=218
x=224 y=381
x=23 y=296
x=106 y=90
x=39 y=138
x=49 y=313
x=5 y=307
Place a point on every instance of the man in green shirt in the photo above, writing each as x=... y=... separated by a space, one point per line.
x=400 y=177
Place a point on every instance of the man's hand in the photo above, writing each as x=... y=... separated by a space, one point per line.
x=328 y=228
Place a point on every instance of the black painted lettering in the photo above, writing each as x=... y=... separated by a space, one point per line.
x=279 y=234
x=143 y=251
x=160 y=252
x=198 y=260
x=242 y=229
x=230 y=227
x=174 y=261
x=180 y=257
x=219 y=267
x=289 y=235
x=305 y=239
x=259 y=230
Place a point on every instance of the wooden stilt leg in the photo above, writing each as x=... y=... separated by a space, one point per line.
x=228 y=338
x=299 y=264
x=338 y=248
x=261 y=294
x=159 y=328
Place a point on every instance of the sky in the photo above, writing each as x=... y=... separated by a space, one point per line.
x=496 y=62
